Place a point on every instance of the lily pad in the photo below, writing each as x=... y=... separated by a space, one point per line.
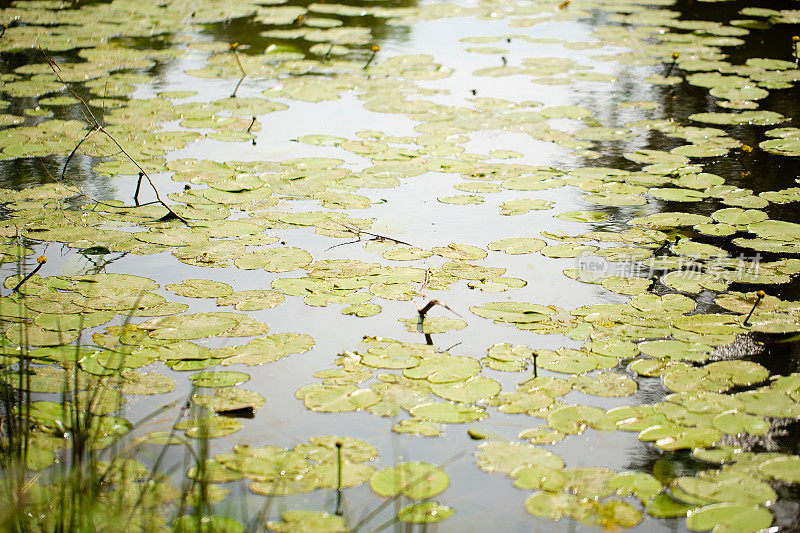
x=415 y=480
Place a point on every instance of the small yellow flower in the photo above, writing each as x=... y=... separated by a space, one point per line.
x=375 y=48
x=675 y=55
x=761 y=294
x=563 y=5
x=747 y=148
x=233 y=47
x=41 y=260
x=796 y=38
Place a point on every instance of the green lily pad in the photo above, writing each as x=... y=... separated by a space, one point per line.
x=339 y=398
x=209 y=427
x=522 y=206
x=448 y=412
x=308 y=521
x=785 y=468
x=729 y=517
x=734 y=423
x=664 y=506
x=583 y=216
x=218 y=379
x=135 y=382
x=513 y=312
x=517 y=245
x=229 y=399
x=432 y=325
x=500 y=456
x=265 y=349
x=185 y=327
x=589 y=481
x=754 y=118
x=573 y=419
x=556 y=505
x=415 y=480
x=425 y=513
x=444 y=369
x=473 y=389
x=535 y=477
x=216 y=523
x=200 y=288
x=639 y=484
x=251 y=300
x=566 y=361
x=675 y=350
x=605 y=384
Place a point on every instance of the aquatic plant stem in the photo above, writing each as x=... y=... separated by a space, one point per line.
x=740 y=158
x=41 y=260
x=665 y=246
x=375 y=49
x=675 y=57
x=759 y=296
x=236 y=89
x=424 y=311
x=359 y=232
x=233 y=47
x=339 y=510
x=138 y=186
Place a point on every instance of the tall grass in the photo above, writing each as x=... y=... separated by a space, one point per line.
x=71 y=465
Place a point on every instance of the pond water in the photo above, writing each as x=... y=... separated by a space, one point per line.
x=326 y=170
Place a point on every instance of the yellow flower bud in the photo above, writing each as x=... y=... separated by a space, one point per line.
x=375 y=48
x=41 y=260
x=233 y=47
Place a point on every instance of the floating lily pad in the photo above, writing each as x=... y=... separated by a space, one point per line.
x=499 y=456
x=448 y=412
x=415 y=480
x=218 y=379
x=472 y=389
x=782 y=468
x=184 y=327
x=522 y=206
x=339 y=398
x=517 y=245
x=605 y=384
x=729 y=517
x=309 y=521
x=425 y=513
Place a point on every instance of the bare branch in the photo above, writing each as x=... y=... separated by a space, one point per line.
x=422 y=312
x=96 y=125
x=89 y=133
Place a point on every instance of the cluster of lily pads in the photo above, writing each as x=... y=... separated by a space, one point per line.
x=249 y=215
